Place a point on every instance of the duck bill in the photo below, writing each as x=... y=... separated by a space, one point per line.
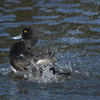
x=18 y=37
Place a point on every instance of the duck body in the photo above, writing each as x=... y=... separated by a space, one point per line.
x=20 y=57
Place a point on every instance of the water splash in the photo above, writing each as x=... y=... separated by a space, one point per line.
x=5 y=71
x=43 y=74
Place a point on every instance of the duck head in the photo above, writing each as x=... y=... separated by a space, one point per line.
x=29 y=36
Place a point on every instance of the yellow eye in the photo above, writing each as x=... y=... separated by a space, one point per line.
x=25 y=31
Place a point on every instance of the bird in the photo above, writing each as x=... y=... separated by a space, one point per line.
x=21 y=59
x=20 y=56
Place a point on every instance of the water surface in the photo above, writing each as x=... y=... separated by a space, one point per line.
x=72 y=29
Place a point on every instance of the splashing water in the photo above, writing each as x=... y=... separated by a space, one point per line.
x=44 y=74
x=39 y=74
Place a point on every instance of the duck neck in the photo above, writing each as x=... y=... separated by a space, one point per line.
x=28 y=44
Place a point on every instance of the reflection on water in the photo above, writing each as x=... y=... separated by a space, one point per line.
x=69 y=27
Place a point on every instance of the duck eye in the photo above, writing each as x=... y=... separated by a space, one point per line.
x=25 y=31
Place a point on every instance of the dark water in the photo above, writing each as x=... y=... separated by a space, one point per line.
x=72 y=29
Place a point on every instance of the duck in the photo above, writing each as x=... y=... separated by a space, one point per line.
x=20 y=56
x=21 y=59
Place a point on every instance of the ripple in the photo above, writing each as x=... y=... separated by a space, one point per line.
x=4 y=34
x=70 y=5
x=96 y=21
x=48 y=5
x=54 y=1
x=95 y=40
x=48 y=32
x=72 y=40
x=9 y=10
x=45 y=17
x=1 y=8
x=4 y=19
x=7 y=5
x=10 y=17
x=69 y=10
x=44 y=22
x=75 y=32
x=9 y=24
x=46 y=10
x=23 y=8
x=4 y=49
x=95 y=29
x=87 y=1
x=15 y=1
x=55 y=5
x=1 y=14
x=97 y=2
x=2 y=28
x=54 y=23
x=89 y=13
x=76 y=19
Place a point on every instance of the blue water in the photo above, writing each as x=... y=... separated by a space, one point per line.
x=72 y=29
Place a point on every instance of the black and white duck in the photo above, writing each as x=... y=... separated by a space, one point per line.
x=20 y=56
